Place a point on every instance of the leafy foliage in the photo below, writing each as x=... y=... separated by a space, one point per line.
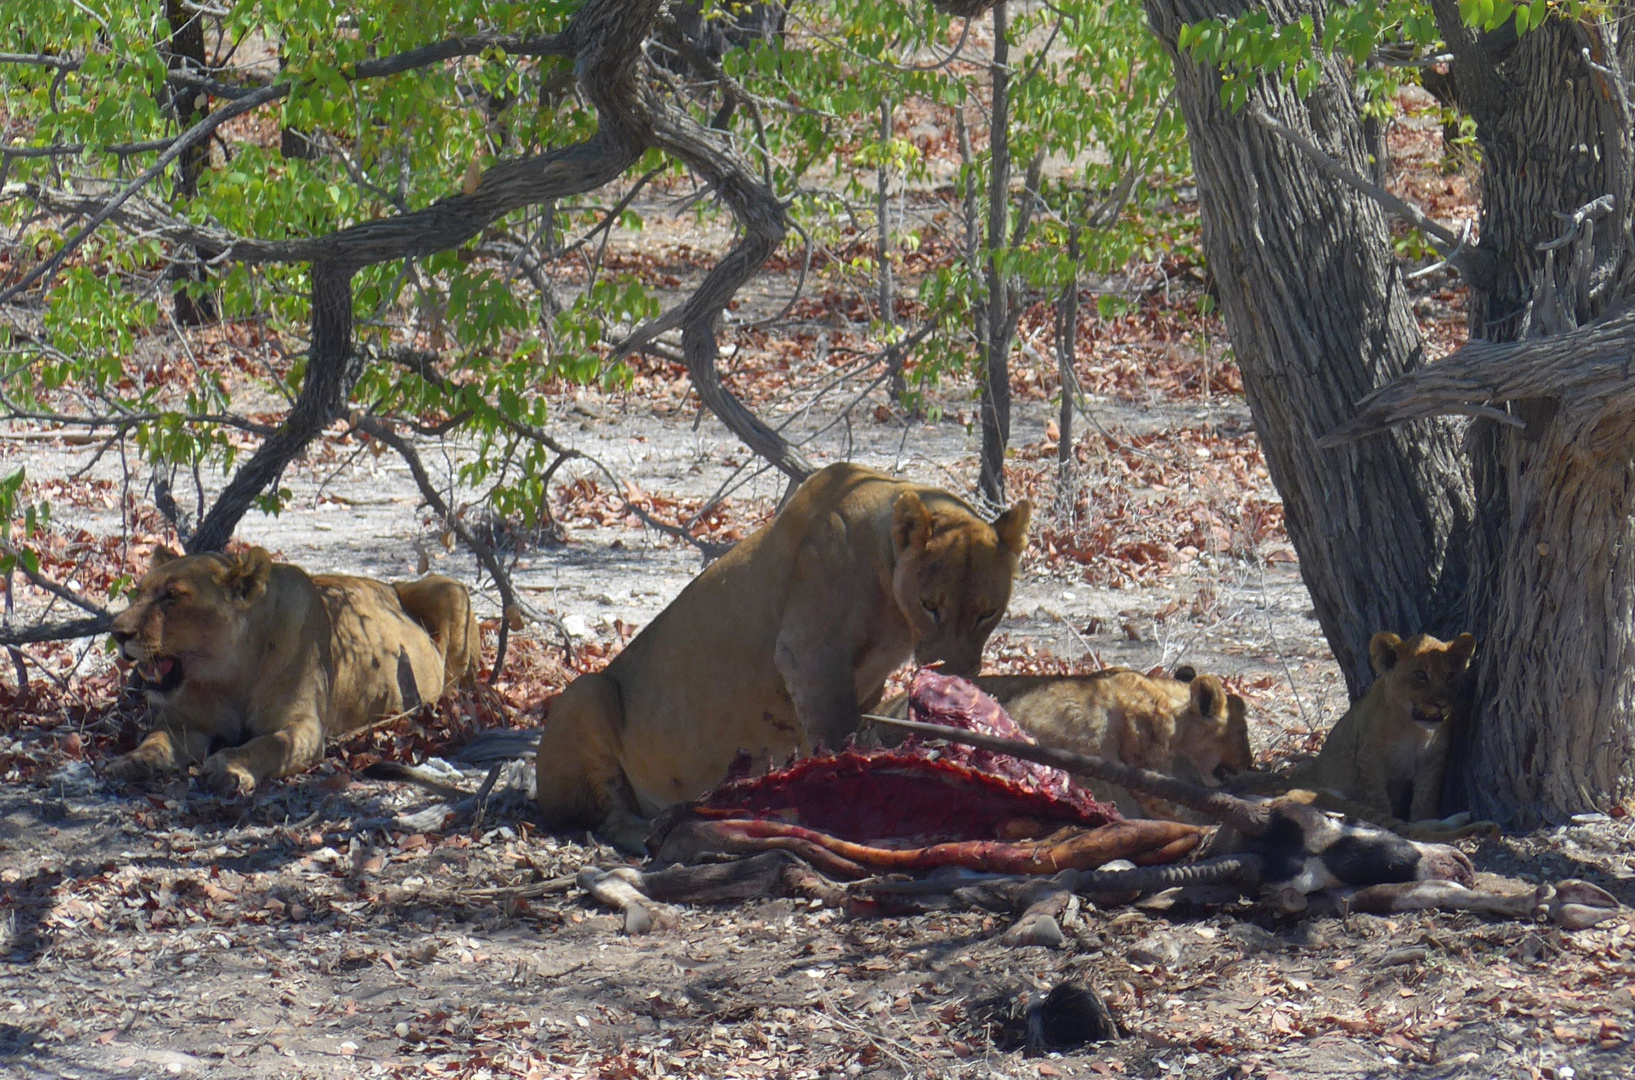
x=467 y=340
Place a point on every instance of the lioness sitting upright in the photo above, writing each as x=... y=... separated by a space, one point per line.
x=1388 y=752
x=779 y=646
x=250 y=664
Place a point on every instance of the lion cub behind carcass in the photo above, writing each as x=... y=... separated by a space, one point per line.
x=251 y=664
x=1388 y=752
x=1188 y=727
x=778 y=647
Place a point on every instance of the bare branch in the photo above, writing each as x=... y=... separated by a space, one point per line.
x=40 y=581
x=1413 y=215
x=379 y=429
x=62 y=631
x=1587 y=370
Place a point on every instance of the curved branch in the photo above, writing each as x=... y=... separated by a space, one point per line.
x=1588 y=370
x=761 y=216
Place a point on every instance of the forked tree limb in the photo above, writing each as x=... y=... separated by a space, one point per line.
x=1473 y=262
x=1587 y=371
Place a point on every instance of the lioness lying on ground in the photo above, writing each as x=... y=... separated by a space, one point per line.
x=1192 y=728
x=779 y=647
x=250 y=664
x=1385 y=757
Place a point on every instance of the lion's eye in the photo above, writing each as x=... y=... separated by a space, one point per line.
x=987 y=617
x=929 y=608
x=1420 y=676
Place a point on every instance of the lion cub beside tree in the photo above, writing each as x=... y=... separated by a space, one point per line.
x=1384 y=760
x=778 y=647
x=251 y=664
x=1389 y=750
x=1187 y=726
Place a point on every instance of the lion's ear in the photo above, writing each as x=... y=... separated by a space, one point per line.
x=1461 y=648
x=248 y=573
x=1382 y=650
x=1012 y=527
x=1208 y=697
x=161 y=555
x=910 y=523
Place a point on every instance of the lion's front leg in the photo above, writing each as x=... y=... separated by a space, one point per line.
x=294 y=746
x=1427 y=797
x=825 y=698
x=163 y=751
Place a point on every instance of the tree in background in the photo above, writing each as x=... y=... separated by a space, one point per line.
x=367 y=196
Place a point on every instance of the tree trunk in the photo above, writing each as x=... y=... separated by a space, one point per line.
x=1067 y=350
x=185 y=53
x=888 y=291
x=1318 y=315
x=1556 y=693
x=333 y=367
x=996 y=370
x=1552 y=690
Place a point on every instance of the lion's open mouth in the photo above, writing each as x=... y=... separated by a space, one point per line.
x=1426 y=715
x=161 y=674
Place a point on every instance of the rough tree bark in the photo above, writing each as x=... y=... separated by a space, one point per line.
x=185 y=52
x=1557 y=730
x=1553 y=677
x=996 y=372
x=1318 y=317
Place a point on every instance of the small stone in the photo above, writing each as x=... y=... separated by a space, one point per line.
x=1155 y=950
x=1035 y=930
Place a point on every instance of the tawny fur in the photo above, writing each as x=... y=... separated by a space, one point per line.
x=1389 y=750
x=779 y=646
x=1194 y=729
x=273 y=661
x=1385 y=758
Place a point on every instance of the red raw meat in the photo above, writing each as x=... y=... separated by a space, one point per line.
x=915 y=794
x=902 y=796
x=916 y=808
x=935 y=698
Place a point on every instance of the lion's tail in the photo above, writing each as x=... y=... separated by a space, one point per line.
x=443 y=607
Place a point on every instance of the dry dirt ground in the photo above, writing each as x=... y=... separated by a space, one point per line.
x=336 y=926
x=331 y=927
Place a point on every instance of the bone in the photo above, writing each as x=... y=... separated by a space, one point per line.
x=1049 y=903
x=619 y=888
x=1571 y=904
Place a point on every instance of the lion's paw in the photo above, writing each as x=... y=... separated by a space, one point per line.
x=227 y=778
x=134 y=767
